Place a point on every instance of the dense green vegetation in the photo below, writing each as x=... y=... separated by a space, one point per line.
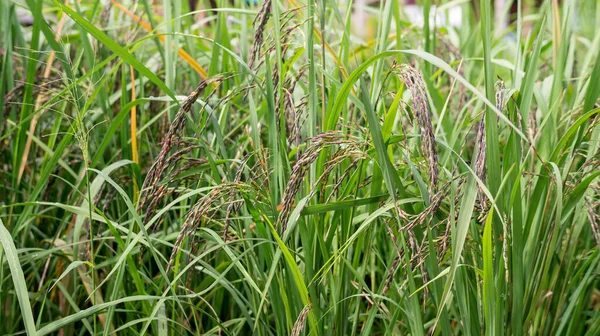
x=262 y=169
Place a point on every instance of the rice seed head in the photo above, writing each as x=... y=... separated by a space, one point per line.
x=338 y=157
x=506 y=235
x=345 y=174
x=480 y=151
x=429 y=212
x=231 y=207
x=500 y=94
x=390 y=276
x=414 y=82
x=317 y=144
x=150 y=188
x=200 y=210
x=259 y=24
x=480 y=158
x=301 y=321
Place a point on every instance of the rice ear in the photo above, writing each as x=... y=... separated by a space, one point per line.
x=414 y=82
x=200 y=210
x=301 y=321
x=259 y=24
x=231 y=207
x=151 y=193
x=317 y=144
x=480 y=156
x=480 y=151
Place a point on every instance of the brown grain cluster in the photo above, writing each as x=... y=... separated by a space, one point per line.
x=259 y=24
x=480 y=151
x=153 y=191
x=414 y=82
x=301 y=321
x=300 y=169
x=233 y=205
x=205 y=207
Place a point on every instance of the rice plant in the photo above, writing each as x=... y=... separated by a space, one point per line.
x=292 y=167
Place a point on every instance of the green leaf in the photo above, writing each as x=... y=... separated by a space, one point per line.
x=16 y=273
x=488 y=276
x=71 y=267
